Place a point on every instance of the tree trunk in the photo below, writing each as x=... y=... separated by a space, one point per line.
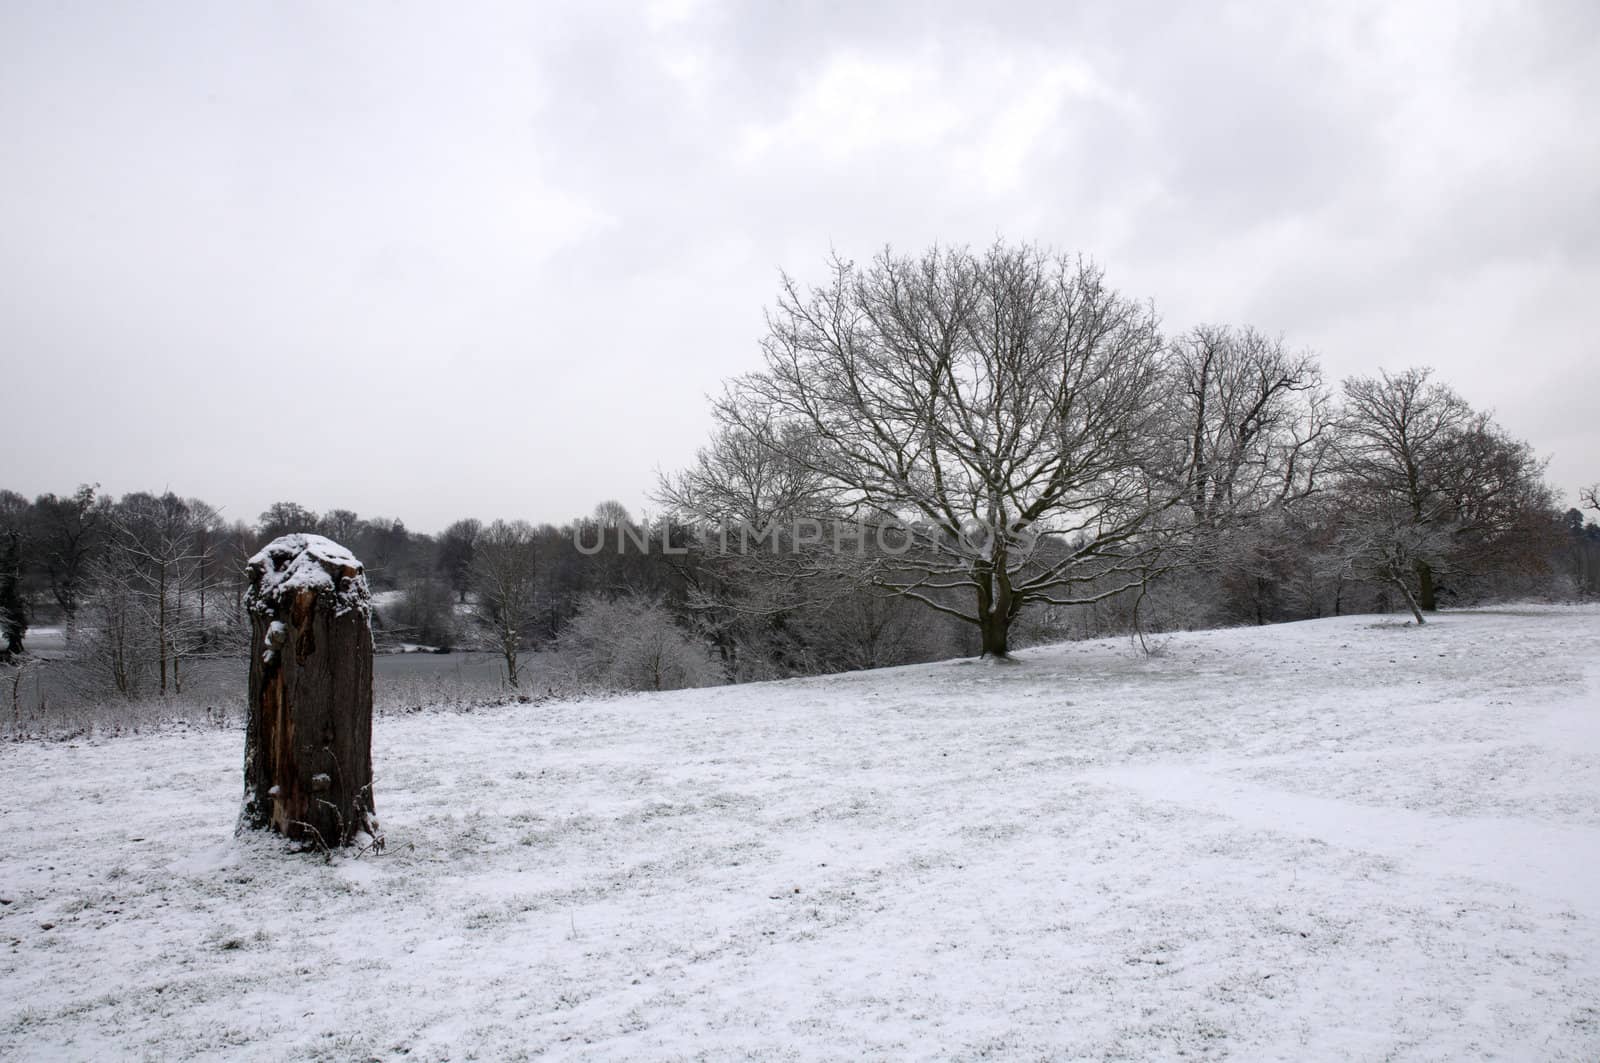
x=994 y=627
x=1411 y=601
x=161 y=629
x=510 y=644
x=1427 y=597
x=994 y=610
x=993 y=631
x=308 y=743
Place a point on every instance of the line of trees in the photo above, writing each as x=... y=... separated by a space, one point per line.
x=146 y=585
x=1015 y=448
x=1047 y=447
x=145 y=580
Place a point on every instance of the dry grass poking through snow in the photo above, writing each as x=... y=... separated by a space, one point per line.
x=1337 y=839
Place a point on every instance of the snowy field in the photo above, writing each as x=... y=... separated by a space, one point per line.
x=1342 y=839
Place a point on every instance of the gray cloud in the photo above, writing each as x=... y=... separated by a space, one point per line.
x=434 y=264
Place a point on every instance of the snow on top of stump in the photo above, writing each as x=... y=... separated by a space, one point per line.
x=302 y=561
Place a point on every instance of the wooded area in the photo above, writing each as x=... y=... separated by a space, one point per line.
x=1053 y=464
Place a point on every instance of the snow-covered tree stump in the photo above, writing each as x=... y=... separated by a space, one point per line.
x=308 y=743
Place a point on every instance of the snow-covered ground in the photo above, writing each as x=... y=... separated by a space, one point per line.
x=1338 y=839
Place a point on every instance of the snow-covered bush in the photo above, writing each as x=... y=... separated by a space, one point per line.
x=633 y=643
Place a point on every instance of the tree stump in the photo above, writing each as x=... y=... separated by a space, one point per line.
x=308 y=743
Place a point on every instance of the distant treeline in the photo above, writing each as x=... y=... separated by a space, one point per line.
x=952 y=453
x=145 y=583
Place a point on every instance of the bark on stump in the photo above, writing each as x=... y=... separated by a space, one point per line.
x=308 y=743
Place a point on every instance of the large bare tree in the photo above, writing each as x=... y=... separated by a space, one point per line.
x=1002 y=411
x=743 y=601
x=146 y=593
x=504 y=560
x=454 y=554
x=1255 y=420
x=1430 y=486
x=71 y=531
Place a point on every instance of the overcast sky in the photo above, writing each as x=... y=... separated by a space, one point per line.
x=449 y=260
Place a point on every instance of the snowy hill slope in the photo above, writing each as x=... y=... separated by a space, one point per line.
x=1336 y=839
